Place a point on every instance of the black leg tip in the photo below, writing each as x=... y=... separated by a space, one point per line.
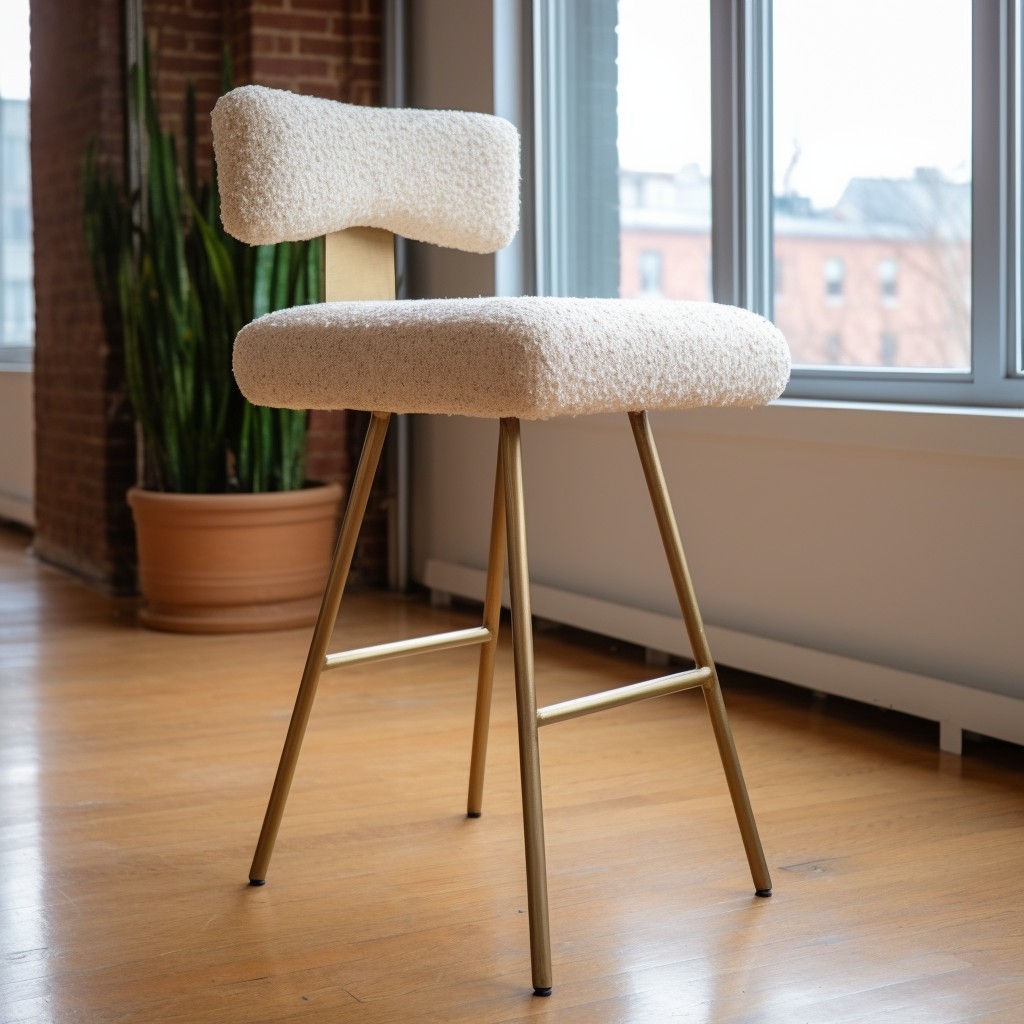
x=257 y=881
x=542 y=991
x=763 y=892
x=474 y=814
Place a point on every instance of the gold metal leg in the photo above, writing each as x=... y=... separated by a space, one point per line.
x=492 y=622
x=701 y=651
x=526 y=704
x=340 y=566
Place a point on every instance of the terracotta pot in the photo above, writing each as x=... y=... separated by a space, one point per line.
x=225 y=563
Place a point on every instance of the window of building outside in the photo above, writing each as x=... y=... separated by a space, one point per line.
x=835 y=274
x=17 y=312
x=650 y=273
x=889 y=349
x=900 y=186
x=888 y=280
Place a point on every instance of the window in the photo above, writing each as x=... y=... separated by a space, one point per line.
x=867 y=184
x=17 y=316
x=17 y=224
x=888 y=280
x=663 y=140
x=650 y=273
x=892 y=199
x=835 y=273
x=833 y=348
x=889 y=349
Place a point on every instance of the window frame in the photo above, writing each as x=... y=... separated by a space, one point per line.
x=577 y=231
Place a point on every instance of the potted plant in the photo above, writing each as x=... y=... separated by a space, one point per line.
x=220 y=479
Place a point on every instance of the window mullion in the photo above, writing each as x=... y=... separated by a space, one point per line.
x=741 y=162
x=993 y=294
x=576 y=124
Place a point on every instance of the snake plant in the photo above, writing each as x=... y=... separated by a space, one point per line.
x=179 y=288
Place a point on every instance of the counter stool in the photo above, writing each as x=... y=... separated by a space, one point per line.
x=292 y=167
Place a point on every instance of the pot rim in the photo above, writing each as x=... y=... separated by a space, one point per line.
x=312 y=493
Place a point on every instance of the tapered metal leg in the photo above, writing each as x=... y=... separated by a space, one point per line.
x=340 y=566
x=701 y=651
x=492 y=621
x=526 y=704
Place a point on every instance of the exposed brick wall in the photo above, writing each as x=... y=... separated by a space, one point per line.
x=317 y=47
x=84 y=435
x=186 y=42
x=328 y=48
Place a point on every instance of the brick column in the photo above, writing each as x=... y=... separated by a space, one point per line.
x=84 y=435
x=85 y=453
x=329 y=48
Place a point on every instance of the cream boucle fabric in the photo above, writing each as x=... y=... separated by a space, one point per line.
x=531 y=358
x=291 y=167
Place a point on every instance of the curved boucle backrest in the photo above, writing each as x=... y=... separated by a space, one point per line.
x=291 y=167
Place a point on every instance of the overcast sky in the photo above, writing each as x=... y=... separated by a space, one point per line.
x=864 y=87
x=14 y=49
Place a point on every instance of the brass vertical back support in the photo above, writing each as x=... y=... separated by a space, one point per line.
x=340 y=566
x=492 y=622
x=359 y=263
x=644 y=438
x=526 y=708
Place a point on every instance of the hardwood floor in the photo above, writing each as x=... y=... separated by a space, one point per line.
x=135 y=768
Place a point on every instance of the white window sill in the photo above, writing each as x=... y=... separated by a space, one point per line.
x=932 y=430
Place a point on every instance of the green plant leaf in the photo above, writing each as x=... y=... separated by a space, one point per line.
x=179 y=288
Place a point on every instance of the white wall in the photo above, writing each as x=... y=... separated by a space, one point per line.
x=17 y=454
x=866 y=551
x=887 y=537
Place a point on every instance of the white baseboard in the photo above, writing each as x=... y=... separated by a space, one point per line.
x=954 y=706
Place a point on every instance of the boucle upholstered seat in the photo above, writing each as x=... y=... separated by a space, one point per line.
x=292 y=167
x=529 y=358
